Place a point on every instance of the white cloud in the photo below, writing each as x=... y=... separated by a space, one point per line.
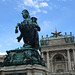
x=2 y=53
x=46 y=25
x=45 y=28
x=29 y=3
x=43 y=4
x=35 y=5
x=52 y=6
x=44 y=11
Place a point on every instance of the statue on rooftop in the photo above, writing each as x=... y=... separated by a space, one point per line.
x=56 y=33
x=29 y=30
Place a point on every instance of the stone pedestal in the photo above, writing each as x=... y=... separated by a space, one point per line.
x=24 y=70
x=23 y=61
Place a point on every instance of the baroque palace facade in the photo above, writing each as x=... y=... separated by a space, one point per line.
x=58 y=52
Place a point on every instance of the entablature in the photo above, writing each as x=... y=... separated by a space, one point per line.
x=58 y=47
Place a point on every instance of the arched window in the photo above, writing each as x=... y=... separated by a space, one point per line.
x=59 y=63
x=58 y=58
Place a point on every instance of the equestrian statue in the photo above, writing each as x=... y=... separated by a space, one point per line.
x=29 y=52
x=29 y=30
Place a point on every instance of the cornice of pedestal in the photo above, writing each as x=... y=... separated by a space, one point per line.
x=23 y=67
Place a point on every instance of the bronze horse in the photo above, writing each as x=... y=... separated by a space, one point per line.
x=28 y=29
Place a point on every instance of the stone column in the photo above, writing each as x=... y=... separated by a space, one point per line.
x=42 y=55
x=69 y=60
x=48 y=63
x=66 y=65
x=74 y=56
x=52 y=66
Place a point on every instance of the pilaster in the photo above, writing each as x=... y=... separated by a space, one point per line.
x=48 y=63
x=69 y=60
x=74 y=57
x=42 y=54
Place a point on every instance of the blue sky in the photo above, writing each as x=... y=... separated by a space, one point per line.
x=51 y=14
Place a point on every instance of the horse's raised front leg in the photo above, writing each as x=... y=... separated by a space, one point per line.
x=19 y=38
